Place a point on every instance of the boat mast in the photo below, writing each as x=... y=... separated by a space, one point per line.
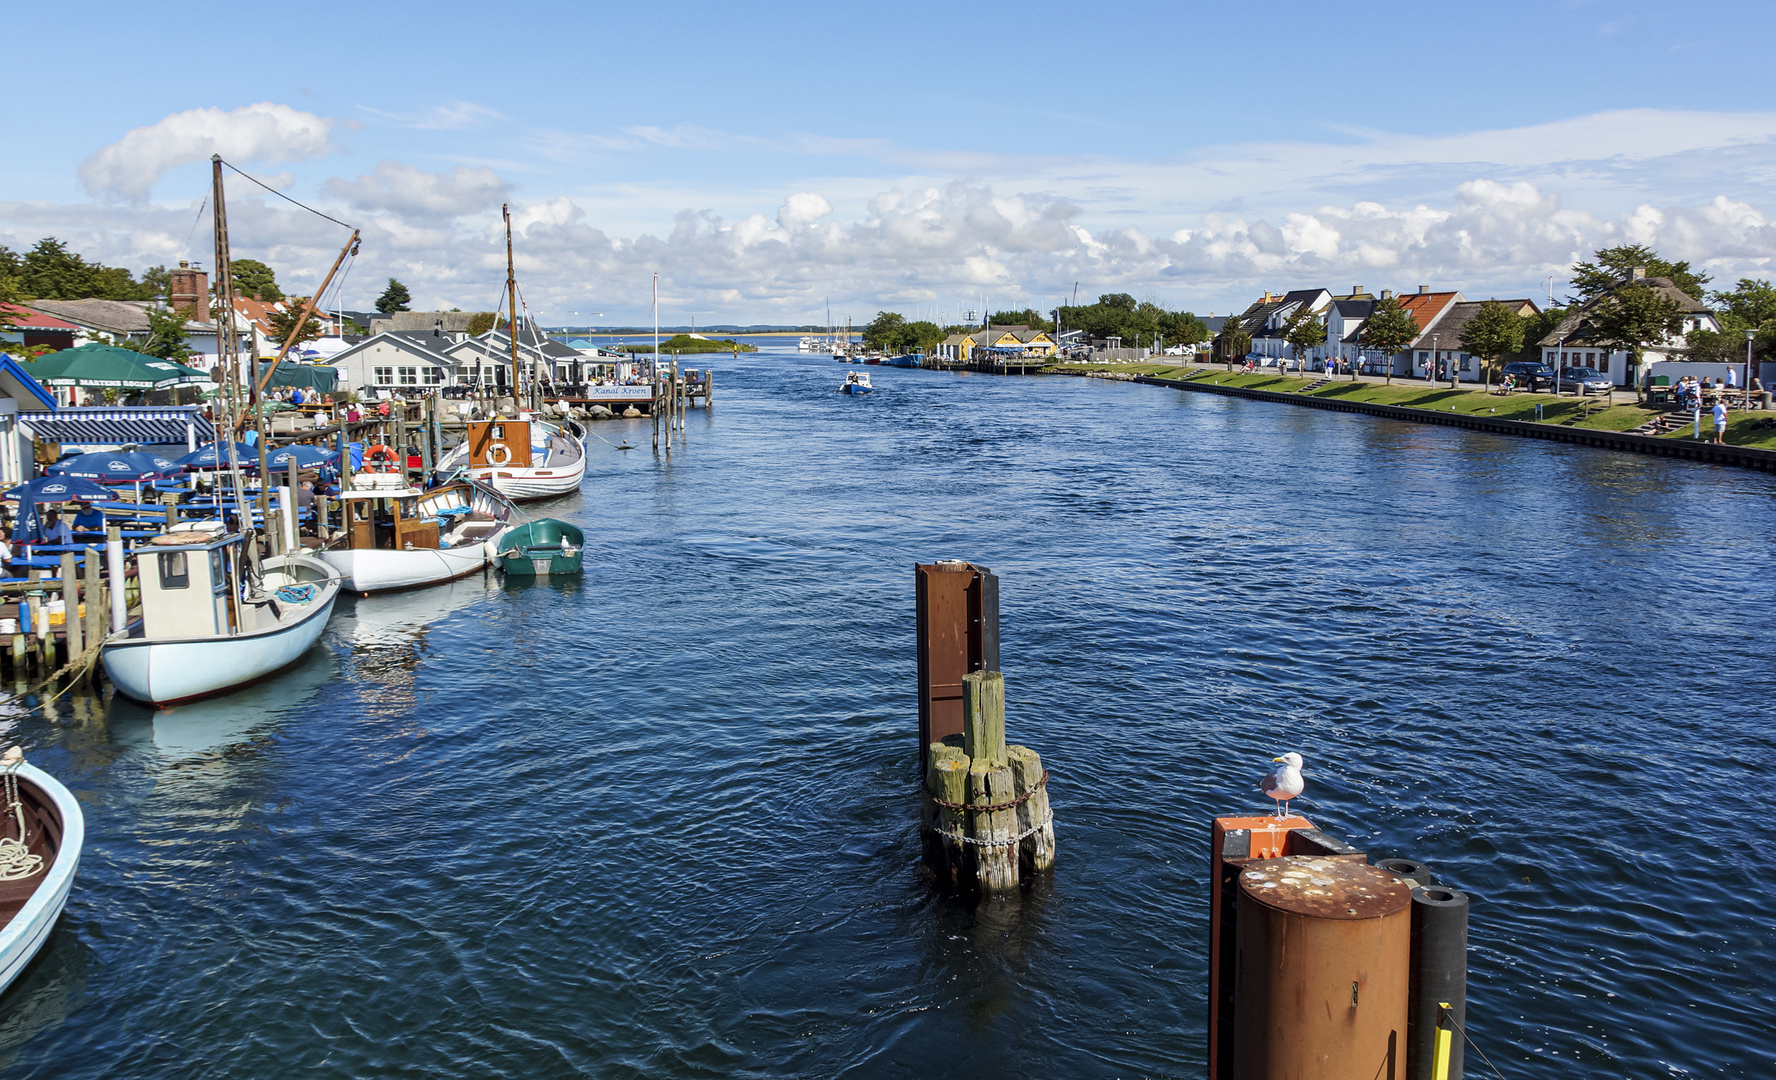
x=512 y=305
x=228 y=357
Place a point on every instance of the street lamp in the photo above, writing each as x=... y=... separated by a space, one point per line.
x=1746 y=382
x=1559 y=362
x=1431 y=371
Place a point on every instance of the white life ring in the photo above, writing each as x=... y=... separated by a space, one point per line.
x=499 y=454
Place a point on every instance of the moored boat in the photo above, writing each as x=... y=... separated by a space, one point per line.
x=399 y=537
x=856 y=382
x=543 y=547
x=524 y=459
x=41 y=834
x=212 y=621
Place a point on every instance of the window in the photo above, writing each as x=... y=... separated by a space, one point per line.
x=1422 y=357
x=434 y=376
x=174 y=574
x=409 y=376
x=385 y=376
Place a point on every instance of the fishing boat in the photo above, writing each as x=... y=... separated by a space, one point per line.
x=856 y=382
x=524 y=459
x=909 y=360
x=541 y=548
x=41 y=833
x=395 y=536
x=213 y=618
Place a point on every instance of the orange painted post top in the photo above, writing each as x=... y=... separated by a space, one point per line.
x=1269 y=833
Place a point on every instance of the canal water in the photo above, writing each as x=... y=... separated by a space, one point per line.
x=660 y=822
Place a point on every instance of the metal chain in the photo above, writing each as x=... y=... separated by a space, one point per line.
x=1019 y=838
x=1019 y=801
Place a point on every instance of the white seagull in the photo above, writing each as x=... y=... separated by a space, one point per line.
x=1285 y=783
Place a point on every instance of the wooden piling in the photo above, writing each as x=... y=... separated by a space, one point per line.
x=171 y=501
x=949 y=779
x=983 y=716
x=71 y=605
x=1036 y=851
x=995 y=856
x=94 y=625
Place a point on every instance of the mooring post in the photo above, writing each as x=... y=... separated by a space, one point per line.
x=71 y=606
x=115 y=571
x=94 y=623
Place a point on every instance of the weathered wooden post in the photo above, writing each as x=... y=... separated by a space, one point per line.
x=95 y=608
x=71 y=606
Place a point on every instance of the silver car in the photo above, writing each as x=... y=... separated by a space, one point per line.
x=1585 y=380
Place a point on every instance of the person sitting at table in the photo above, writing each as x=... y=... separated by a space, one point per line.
x=90 y=519
x=55 y=530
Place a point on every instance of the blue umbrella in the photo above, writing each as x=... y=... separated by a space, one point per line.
x=307 y=457
x=205 y=457
x=26 y=526
x=116 y=468
x=57 y=489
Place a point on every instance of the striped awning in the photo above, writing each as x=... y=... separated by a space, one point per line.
x=122 y=427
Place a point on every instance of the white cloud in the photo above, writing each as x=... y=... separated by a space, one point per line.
x=129 y=167
x=403 y=191
x=456 y=116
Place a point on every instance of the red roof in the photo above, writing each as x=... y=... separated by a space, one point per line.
x=23 y=318
x=1423 y=307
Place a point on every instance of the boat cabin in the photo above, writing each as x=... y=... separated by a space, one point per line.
x=499 y=444
x=389 y=520
x=190 y=582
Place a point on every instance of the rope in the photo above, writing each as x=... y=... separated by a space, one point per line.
x=287 y=199
x=1450 y=1013
x=1019 y=838
x=1019 y=801
x=16 y=860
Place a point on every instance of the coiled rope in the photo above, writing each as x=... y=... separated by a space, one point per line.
x=16 y=860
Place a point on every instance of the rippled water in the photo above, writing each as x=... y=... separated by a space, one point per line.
x=660 y=822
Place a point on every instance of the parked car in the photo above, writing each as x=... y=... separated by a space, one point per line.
x=1585 y=380
x=1531 y=374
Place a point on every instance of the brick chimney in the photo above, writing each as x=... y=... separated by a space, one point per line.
x=1423 y=290
x=190 y=292
x=1387 y=294
x=1356 y=290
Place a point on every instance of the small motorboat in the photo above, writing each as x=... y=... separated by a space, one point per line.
x=399 y=537
x=857 y=382
x=523 y=459
x=41 y=832
x=542 y=548
x=213 y=619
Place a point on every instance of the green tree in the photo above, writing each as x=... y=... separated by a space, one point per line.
x=1306 y=330
x=1493 y=332
x=1029 y=317
x=1390 y=329
x=884 y=330
x=49 y=271
x=394 y=298
x=1536 y=327
x=253 y=278
x=156 y=284
x=1233 y=341
x=1725 y=346
x=1751 y=303
x=282 y=322
x=1591 y=280
x=166 y=335
x=481 y=322
x=1632 y=318
x=922 y=336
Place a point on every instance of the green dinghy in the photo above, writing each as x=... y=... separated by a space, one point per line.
x=542 y=547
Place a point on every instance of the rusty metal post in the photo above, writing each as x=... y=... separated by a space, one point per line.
x=958 y=632
x=1323 y=970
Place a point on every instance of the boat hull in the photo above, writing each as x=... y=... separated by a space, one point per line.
x=374 y=570
x=166 y=672
x=534 y=550
x=23 y=936
x=529 y=485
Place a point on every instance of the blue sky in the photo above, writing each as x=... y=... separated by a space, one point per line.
x=918 y=157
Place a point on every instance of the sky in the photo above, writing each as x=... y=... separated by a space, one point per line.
x=769 y=160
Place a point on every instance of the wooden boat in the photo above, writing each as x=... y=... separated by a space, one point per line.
x=395 y=536
x=524 y=459
x=541 y=548
x=208 y=624
x=41 y=833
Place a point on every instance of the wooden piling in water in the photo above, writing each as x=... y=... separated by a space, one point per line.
x=983 y=716
x=992 y=824
x=1036 y=851
x=94 y=623
x=71 y=605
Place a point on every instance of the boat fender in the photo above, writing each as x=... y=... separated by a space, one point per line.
x=499 y=454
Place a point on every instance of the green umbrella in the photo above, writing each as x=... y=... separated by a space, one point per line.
x=317 y=377
x=97 y=365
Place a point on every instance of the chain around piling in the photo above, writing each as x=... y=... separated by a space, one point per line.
x=1034 y=788
x=1020 y=837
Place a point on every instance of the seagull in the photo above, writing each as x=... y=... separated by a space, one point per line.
x=1285 y=783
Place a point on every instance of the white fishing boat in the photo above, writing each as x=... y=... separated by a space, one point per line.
x=856 y=382
x=395 y=536
x=524 y=459
x=41 y=833
x=212 y=620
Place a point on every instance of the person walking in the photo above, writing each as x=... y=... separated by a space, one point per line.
x=1720 y=419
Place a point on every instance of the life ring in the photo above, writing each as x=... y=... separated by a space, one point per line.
x=503 y=452
x=379 y=458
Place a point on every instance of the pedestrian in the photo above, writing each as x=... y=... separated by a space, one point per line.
x=1732 y=379
x=1755 y=394
x=1720 y=420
